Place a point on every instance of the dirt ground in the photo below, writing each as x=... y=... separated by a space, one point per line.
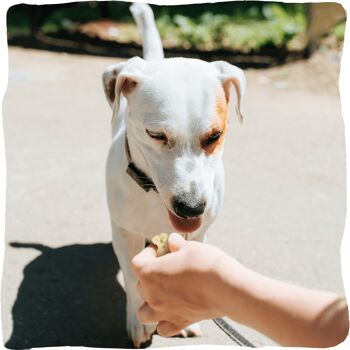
x=284 y=206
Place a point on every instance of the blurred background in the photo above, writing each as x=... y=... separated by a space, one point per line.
x=285 y=196
x=251 y=33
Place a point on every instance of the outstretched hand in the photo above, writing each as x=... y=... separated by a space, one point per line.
x=197 y=281
x=179 y=288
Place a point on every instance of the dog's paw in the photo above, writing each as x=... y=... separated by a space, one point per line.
x=138 y=332
x=193 y=330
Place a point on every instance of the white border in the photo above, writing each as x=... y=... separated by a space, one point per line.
x=344 y=84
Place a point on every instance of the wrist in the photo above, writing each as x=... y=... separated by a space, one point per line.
x=226 y=288
x=235 y=284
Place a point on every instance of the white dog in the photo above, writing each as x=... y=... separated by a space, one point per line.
x=164 y=169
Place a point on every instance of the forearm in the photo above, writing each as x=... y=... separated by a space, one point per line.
x=289 y=314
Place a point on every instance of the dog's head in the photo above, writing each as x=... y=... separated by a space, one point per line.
x=178 y=113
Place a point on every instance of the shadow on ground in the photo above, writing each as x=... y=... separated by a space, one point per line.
x=69 y=296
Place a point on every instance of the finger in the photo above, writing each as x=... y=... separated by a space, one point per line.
x=175 y=242
x=141 y=290
x=168 y=329
x=147 y=315
x=139 y=261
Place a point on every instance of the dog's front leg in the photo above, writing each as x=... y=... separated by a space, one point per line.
x=126 y=245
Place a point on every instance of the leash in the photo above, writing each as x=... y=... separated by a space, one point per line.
x=232 y=333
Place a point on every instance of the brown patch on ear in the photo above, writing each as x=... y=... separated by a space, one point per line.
x=128 y=85
x=219 y=125
x=111 y=90
x=227 y=84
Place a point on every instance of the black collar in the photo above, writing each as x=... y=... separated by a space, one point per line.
x=144 y=181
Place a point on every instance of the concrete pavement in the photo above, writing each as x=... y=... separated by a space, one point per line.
x=284 y=206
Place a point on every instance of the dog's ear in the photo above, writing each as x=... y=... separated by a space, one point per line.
x=232 y=78
x=120 y=78
x=109 y=80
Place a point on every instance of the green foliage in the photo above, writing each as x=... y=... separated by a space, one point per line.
x=270 y=25
x=67 y=18
x=18 y=21
x=339 y=31
x=237 y=25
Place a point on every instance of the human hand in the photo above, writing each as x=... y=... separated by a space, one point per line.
x=180 y=288
x=197 y=281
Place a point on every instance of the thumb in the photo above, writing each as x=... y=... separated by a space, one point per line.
x=176 y=242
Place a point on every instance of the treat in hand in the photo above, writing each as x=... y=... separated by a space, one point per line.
x=161 y=241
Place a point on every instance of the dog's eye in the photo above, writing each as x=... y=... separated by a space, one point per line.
x=157 y=136
x=210 y=142
x=213 y=137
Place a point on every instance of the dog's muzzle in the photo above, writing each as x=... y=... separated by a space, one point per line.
x=187 y=218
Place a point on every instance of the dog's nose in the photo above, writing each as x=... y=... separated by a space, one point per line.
x=184 y=210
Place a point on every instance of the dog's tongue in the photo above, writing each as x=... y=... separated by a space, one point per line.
x=184 y=225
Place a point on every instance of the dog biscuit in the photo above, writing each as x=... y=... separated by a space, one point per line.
x=161 y=241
